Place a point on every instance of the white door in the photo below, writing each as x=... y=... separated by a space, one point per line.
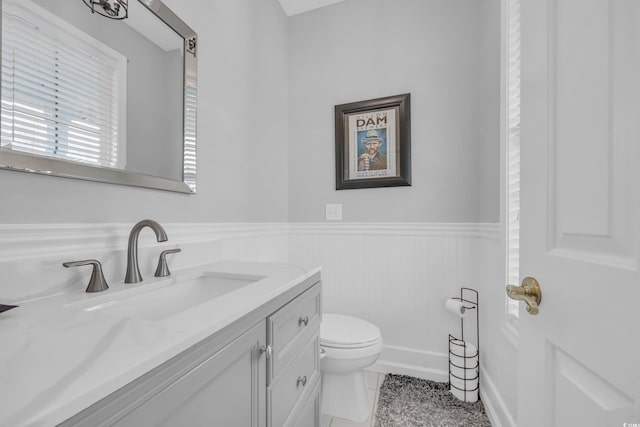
x=580 y=218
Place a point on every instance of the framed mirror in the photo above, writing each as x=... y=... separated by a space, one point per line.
x=89 y=97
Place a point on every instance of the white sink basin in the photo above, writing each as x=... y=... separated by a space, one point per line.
x=157 y=302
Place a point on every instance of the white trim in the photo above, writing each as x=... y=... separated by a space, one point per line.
x=426 y=365
x=483 y=230
x=33 y=240
x=388 y=367
x=493 y=403
x=22 y=240
x=510 y=332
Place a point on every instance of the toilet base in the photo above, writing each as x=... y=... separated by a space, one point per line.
x=346 y=396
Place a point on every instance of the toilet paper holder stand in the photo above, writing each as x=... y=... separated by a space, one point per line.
x=470 y=365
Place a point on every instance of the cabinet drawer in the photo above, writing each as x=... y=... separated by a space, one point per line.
x=307 y=411
x=296 y=382
x=291 y=326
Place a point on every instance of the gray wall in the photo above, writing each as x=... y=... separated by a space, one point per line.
x=446 y=55
x=155 y=112
x=242 y=140
x=249 y=169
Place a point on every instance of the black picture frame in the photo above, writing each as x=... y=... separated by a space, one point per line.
x=360 y=127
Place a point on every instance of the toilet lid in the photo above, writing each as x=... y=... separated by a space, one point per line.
x=339 y=331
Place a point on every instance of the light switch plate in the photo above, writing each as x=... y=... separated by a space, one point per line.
x=333 y=212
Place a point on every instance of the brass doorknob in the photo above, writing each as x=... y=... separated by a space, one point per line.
x=529 y=292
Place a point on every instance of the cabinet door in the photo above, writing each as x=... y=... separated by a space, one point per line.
x=228 y=389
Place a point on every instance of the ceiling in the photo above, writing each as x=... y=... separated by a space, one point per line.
x=293 y=7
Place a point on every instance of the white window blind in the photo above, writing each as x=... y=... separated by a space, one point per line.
x=62 y=91
x=513 y=152
x=189 y=167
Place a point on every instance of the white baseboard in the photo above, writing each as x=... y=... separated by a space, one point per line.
x=415 y=363
x=493 y=403
x=387 y=367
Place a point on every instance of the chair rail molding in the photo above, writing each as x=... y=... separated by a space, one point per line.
x=484 y=230
x=20 y=240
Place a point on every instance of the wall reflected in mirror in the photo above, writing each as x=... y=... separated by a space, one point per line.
x=115 y=95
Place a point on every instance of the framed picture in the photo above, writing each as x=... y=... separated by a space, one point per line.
x=373 y=143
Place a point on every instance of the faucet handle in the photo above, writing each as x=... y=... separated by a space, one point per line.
x=163 y=269
x=97 y=282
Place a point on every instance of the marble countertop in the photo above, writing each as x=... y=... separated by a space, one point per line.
x=56 y=360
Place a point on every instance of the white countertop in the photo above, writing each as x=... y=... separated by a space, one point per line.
x=56 y=360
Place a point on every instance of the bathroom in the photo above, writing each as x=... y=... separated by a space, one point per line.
x=269 y=76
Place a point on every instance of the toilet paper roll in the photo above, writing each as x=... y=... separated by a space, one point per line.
x=463 y=374
x=463 y=362
x=456 y=307
x=467 y=391
x=469 y=396
x=463 y=348
x=467 y=385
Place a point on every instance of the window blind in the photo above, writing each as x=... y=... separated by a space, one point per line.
x=513 y=152
x=189 y=167
x=61 y=89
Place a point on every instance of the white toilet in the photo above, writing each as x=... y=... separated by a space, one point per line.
x=348 y=345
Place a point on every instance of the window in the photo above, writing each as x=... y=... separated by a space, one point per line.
x=513 y=153
x=62 y=91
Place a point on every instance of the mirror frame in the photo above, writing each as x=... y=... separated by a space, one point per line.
x=16 y=161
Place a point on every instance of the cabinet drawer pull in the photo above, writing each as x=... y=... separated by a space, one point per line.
x=304 y=320
x=301 y=380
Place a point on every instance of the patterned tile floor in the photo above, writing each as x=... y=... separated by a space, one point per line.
x=374 y=381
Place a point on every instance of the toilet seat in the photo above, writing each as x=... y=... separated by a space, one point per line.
x=345 y=332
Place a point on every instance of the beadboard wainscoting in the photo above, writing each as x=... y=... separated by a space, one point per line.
x=498 y=336
x=31 y=255
x=396 y=276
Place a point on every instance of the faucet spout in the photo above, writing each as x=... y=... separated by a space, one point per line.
x=133 y=270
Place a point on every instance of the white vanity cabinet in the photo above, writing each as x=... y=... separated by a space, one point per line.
x=260 y=371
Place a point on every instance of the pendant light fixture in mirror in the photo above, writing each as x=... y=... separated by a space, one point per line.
x=114 y=9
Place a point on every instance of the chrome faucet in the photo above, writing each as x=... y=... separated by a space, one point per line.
x=133 y=271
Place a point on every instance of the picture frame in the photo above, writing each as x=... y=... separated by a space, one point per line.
x=373 y=143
